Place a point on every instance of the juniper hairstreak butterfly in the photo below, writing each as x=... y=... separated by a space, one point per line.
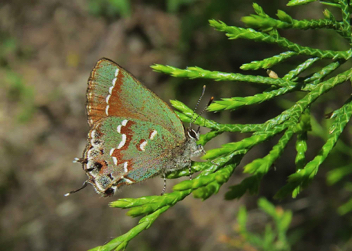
x=133 y=135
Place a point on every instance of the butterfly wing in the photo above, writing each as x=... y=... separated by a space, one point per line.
x=124 y=151
x=112 y=91
x=134 y=135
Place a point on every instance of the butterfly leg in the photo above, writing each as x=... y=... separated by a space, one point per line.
x=164 y=188
x=190 y=172
x=79 y=189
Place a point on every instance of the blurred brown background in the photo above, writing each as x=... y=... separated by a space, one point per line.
x=47 y=49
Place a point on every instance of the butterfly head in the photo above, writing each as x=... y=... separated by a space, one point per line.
x=193 y=137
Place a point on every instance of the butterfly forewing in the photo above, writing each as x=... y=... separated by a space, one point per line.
x=112 y=91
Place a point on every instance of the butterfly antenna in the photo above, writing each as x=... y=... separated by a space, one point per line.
x=195 y=109
x=79 y=189
x=210 y=101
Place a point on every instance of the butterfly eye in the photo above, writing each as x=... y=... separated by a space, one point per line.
x=192 y=134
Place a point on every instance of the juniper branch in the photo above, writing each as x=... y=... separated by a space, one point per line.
x=197 y=72
x=268 y=62
x=121 y=242
x=259 y=22
x=238 y=102
x=291 y=76
x=300 y=179
x=235 y=32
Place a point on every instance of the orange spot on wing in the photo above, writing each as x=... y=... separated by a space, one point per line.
x=139 y=144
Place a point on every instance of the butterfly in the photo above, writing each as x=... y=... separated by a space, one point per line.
x=134 y=135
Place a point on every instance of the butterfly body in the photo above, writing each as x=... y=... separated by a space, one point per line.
x=134 y=135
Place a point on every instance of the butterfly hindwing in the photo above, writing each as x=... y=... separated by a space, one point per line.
x=123 y=151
